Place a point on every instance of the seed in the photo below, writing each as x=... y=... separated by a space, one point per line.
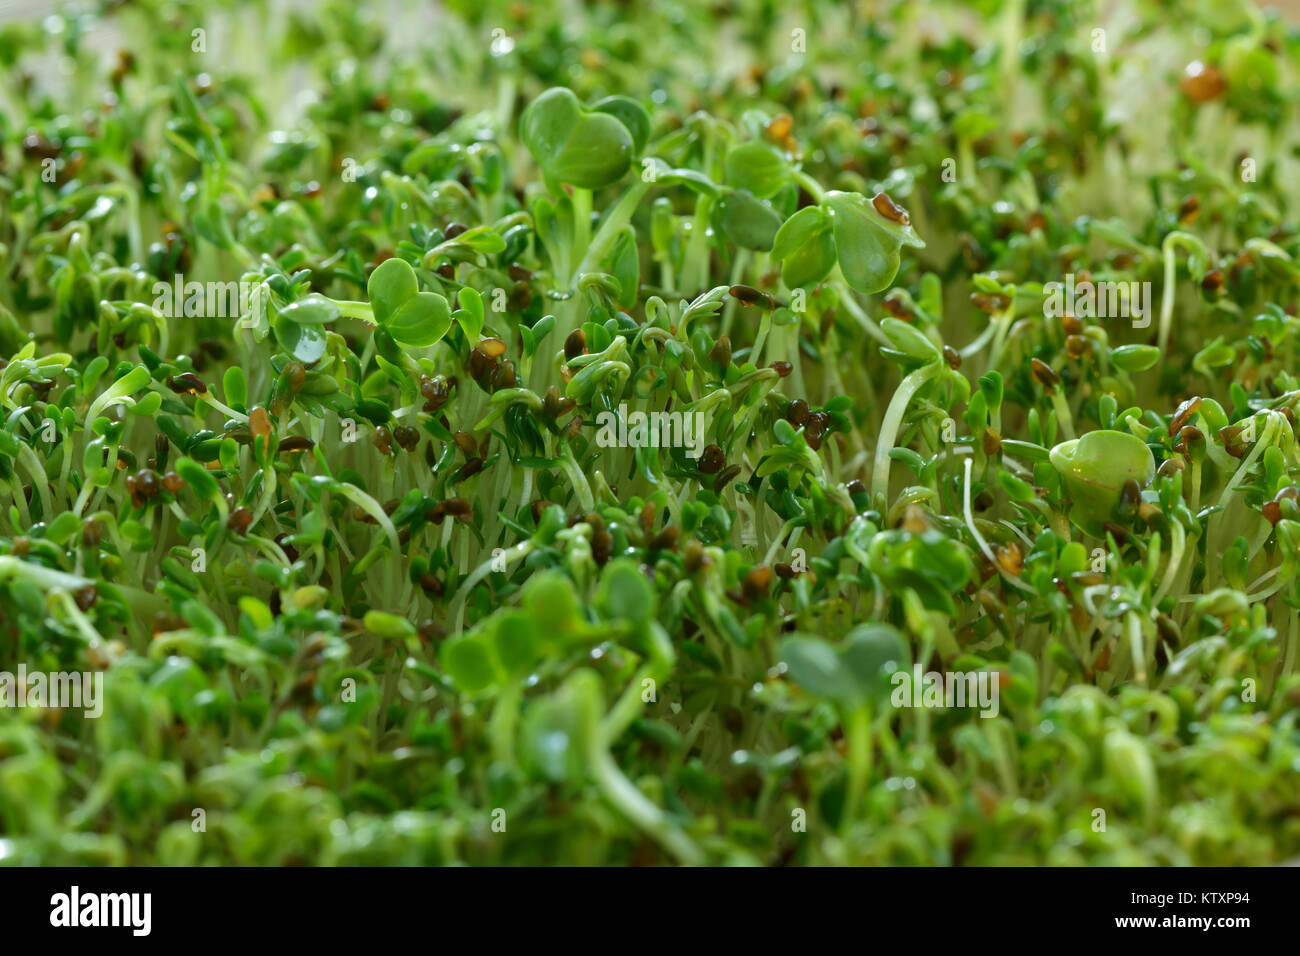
x=755 y=584
x=86 y=597
x=296 y=443
x=382 y=439
x=1212 y=283
x=751 y=296
x=492 y=348
x=1071 y=325
x=187 y=383
x=796 y=412
x=467 y=470
x=406 y=436
x=1076 y=346
x=259 y=422
x=172 y=482
x=992 y=442
x=575 y=344
x=782 y=368
x=1188 y=210
x=952 y=357
x=712 y=459
x=725 y=477
x=455 y=229
x=504 y=376
x=146 y=483
x=1202 y=82
x=1183 y=414
x=665 y=540
x=1171 y=466
x=721 y=351
x=890 y=209
x=1044 y=375
x=295 y=374
x=239 y=520
x=784 y=571
x=466 y=443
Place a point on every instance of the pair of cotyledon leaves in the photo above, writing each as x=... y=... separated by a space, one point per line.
x=590 y=148
x=401 y=310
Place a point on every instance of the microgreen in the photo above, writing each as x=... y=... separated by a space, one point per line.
x=558 y=451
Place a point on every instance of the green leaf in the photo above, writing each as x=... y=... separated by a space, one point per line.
x=867 y=244
x=391 y=284
x=312 y=310
x=469 y=664
x=747 y=221
x=306 y=343
x=631 y=114
x=813 y=664
x=583 y=149
x=422 y=321
x=756 y=168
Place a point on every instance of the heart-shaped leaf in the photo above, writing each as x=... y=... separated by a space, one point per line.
x=756 y=168
x=574 y=146
x=423 y=320
x=869 y=236
x=391 y=284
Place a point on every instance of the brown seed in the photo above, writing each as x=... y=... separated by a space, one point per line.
x=1202 y=82
x=239 y=520
x=259 y=422
x=712 y=459
x=890 y=209
x=86 y=597
x=1183 y=414
x=725 y=477
x=755 y=583
x=146 y=483
x=1076 y=346
x=1171 y=466
x=187 y=383
x=575 y=344
x=1044 y=375
x=455 y=229
x=796 y=412
x=992 y=442
x=782 y=368
x=721 y=351
x=504 y=376
x=382 y=439
x=751 y=296
x=295 y=443
x=1188 y=210
x=172 y=482
x=665 y=540
x=91 y=534
x=784 y=571
x=1212 y=283
x=492 y=348
x=295 y=373
x=1071 y=325
x=466 y=443
x=406 y=436
x=952 y=357
x=467 y=470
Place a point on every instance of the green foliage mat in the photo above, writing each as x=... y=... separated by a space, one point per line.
x=494 y=436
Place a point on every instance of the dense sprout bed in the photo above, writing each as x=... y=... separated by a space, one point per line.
x=488 y=436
